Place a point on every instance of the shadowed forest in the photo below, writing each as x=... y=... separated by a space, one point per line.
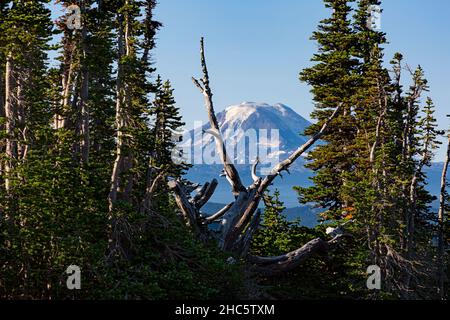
x=90 y=175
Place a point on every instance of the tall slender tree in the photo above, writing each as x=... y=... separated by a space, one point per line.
x=333 y=79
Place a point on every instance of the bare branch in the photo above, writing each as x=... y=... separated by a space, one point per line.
x=230 y=170
x=200 y=194
x=198 y=84
x=254 y=175
x=187 y=209
x=207 y=195
x=245 y=240
x=271 y=266
x=219 y=213
x=288 y=162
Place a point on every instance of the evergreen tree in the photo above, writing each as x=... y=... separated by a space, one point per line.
x=333 y=79
x=274 y=236
x=167 y=125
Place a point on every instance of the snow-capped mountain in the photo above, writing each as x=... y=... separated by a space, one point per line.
x=237 y=123
x=250 y=115
x=250 y=129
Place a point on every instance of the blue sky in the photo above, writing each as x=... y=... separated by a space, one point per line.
x=256 y=48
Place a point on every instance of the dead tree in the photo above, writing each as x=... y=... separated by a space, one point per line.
x=240 y=219
x=441 y=220
x=120 y=185
x=11 y=120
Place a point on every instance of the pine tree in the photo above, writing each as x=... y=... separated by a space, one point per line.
x=167 y=125
x=333 y=79
x=274 y=236
x=26 y=29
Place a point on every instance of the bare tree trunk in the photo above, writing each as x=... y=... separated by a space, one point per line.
x=441 y=220
x=22 y=146
x=124 y=161
x=11 y=121
x=2 y=127
x=240 y=219
x=61 y=120
x=120 y=121
x=84 y=95
x=230 y=169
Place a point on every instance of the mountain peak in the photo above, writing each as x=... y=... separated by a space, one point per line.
x=275 y=128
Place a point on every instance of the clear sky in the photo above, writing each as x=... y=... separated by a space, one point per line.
x=256 y=48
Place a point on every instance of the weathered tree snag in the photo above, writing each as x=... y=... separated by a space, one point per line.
x=209 y=191
x=123 y=161
x=205 y=89
x=259 y=187
x=84 y=95
x=11 y=121
x=219 y=214
x=441 y=221
x=155 y=176
x=67 y=82
x=187 y=209
x=271 y=266
x=240 y=219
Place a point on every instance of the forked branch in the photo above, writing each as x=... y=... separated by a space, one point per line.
x=205 y=89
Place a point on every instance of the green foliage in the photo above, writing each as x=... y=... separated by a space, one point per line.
x=371 y=167
x=338 y=275
x=55 y=212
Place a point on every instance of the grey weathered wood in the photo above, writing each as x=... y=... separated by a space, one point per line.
x=203 y=86
x=441 y=221
x=254 y=167
x=207 y=194
x=11 y=119
x=271 y=266
x=218 y=214
x=240 y=219
x=188 y=211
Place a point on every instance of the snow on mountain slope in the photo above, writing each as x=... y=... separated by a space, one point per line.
x=252 y=129
x=237 y=120
x=275 y=130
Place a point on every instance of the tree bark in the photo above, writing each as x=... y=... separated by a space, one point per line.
x=124 y=159
x=120 y=121
x=272 y=266
x=67 y=80
x=11 y=121
x=84 y=96
x=441 y=222
x=240 y=219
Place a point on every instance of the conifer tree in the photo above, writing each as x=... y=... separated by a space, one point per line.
x=333 y=79
x=26 y=29
x=167 y=124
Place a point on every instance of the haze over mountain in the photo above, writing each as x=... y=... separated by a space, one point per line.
x=284 y=134
x=250 y=129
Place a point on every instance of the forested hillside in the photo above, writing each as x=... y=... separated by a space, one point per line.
x=90 y=174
